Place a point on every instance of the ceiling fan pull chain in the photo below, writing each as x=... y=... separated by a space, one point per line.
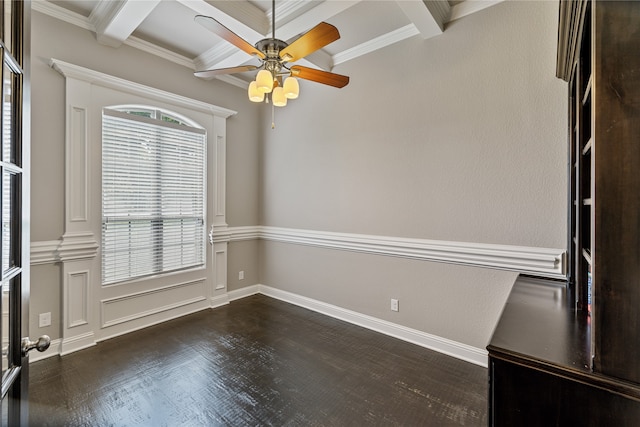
x=273 y=116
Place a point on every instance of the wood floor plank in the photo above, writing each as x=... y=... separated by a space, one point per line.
x=256 y=362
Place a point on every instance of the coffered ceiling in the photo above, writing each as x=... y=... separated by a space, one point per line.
x=166 y=27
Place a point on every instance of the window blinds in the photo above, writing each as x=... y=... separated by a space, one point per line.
x=153 y=196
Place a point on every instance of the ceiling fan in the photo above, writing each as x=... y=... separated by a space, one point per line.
x=275 y=76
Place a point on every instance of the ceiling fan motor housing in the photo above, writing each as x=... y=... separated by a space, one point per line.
x=271 y=47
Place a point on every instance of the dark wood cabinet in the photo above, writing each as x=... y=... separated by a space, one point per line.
x=599 y=56
x=571 y=355
x=540 y=365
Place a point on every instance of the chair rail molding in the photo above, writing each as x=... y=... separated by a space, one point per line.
x=544 y=262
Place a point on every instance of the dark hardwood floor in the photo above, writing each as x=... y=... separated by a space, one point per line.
x=256 y=362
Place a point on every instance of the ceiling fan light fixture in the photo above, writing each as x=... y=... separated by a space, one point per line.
x=264 y=81
x=254 y=94
x=291 y=88
x=278 y=97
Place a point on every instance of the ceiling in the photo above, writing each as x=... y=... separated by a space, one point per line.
x=166 y=27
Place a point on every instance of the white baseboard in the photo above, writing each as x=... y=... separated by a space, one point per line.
x=451 y=348
x=244 y=292
x=78 y=342
x=218 y=301
x=53 y=350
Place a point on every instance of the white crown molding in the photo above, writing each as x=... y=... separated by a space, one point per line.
x=384 y=40
x=106 y=80
x=235 y=81
x=440 y=9
x=62 y=14
x=153 y=49
x=215 y=54
x=470 y=6
x=285 y=9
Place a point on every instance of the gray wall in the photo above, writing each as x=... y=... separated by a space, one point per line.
x=456 y=138
x=52 y=38
x=461 y=137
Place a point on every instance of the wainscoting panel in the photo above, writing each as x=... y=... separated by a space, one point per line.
x=77 y=160
x=78 y=298
x=220 y=265
x=127 y=308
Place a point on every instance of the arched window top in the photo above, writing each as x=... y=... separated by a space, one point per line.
x=157 y=114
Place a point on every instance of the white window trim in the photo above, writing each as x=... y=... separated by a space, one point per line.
x=92 y=312
x=185 y=126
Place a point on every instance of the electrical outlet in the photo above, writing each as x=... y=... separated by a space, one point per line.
x=45 y=319
x=394 y=304
x=241 y=275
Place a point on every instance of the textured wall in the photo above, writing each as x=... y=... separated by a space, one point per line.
x=461 y=137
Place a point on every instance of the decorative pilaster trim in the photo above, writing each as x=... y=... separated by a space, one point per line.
x=77 y=246
x=234 y=234
x=72 y=247
x=455 y=349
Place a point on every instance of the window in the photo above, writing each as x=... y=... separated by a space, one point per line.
x=153 y=193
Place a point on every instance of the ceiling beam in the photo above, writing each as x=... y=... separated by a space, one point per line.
x=243 y=30
x=303 y=23
x=428 y=16
x=114 y=21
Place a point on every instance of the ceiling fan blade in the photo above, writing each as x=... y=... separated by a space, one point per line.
x=217 y=28
x=209 y=74
x=314 y=39
x=319 y=76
